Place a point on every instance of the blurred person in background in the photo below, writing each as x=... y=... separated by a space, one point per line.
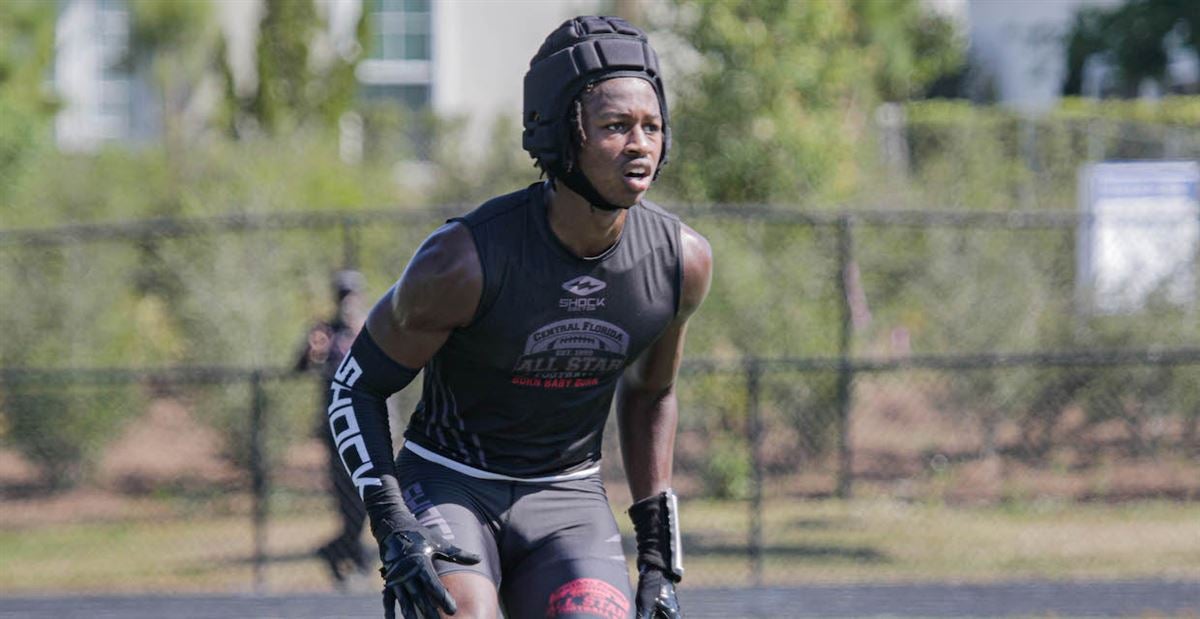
x=529 y=315
x=325 y=347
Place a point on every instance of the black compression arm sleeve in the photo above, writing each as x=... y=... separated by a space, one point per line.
x=358 y=419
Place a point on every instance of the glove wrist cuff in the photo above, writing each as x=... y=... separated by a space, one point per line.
x=393 y=522
x=656 y=524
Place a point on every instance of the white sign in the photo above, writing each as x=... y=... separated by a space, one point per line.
x=1139 y=234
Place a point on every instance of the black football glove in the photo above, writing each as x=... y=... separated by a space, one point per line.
x=660 y=557
x=656 y=595
x=410 y=580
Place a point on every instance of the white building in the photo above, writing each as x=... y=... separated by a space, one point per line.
x=466 y=58
x=463 y=58
x=104 y=99
x=1018 y=46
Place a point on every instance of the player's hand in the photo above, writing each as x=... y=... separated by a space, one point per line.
x=656 y=596
x=410 y=580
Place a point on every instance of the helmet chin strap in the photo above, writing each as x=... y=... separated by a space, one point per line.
x=579 y=183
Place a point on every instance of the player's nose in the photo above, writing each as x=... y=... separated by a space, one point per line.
x=638 y=142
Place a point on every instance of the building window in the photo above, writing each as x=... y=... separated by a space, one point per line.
x=116 y=74
x=398 y=64
x=412 y=96
x=103 y=95
x=400 y=30
x=396 y=78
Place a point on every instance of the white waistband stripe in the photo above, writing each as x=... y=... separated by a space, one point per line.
x=471 y=471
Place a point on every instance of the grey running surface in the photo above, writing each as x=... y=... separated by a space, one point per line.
x=1063 y=599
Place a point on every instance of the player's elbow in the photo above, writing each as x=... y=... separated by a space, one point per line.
x=642 y=395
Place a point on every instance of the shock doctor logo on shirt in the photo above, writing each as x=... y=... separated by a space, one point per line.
x=571 y=353
x=583 y=287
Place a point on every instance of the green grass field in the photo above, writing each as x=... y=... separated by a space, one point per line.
x=883 y=540
x=862 y=540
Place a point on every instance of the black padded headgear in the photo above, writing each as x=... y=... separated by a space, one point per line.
x=581 y=52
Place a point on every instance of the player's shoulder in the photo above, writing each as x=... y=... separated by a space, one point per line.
x=442 y=281
x=696 y=249
x=501 y=207
x=697 y=268
x=693 y=242
x=446 y=252
x=654 y=210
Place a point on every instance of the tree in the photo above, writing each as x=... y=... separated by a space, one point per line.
x=292 y=89
x=908 y=46
x=26 y=106
x=175 y=43
x=779 y=102
x=1132 y=37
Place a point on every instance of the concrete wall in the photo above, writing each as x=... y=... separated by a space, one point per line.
x=481 y=53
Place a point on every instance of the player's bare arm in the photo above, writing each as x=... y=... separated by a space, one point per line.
x=646 y=403
x=647 y=413
x=438 y=292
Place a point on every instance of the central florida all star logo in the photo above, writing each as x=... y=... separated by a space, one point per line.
x=571 y=353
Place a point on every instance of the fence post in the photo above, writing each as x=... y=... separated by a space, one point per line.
x=258 y=478
x=893 y=138
x=1028 y=147
x=1172 y=143
x=845 y=370
x=754 y=430
x=349 y=243
x=1097 y=139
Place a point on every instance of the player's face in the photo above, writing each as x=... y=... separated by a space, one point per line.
x=622 y=139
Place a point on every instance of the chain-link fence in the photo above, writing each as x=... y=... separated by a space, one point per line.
x=958 y=155
x=929 y=357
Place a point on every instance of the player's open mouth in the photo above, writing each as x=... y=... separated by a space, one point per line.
x=638 y=181
x=637 y=169
x=638 y=176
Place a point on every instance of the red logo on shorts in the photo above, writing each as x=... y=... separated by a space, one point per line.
x=588 y=595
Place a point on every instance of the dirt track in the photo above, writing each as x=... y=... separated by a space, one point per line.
x=1110 y=599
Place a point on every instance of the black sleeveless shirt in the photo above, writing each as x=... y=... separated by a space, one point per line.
x=525 y=389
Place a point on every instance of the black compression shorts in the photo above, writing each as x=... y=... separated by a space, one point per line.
x=551 y=548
